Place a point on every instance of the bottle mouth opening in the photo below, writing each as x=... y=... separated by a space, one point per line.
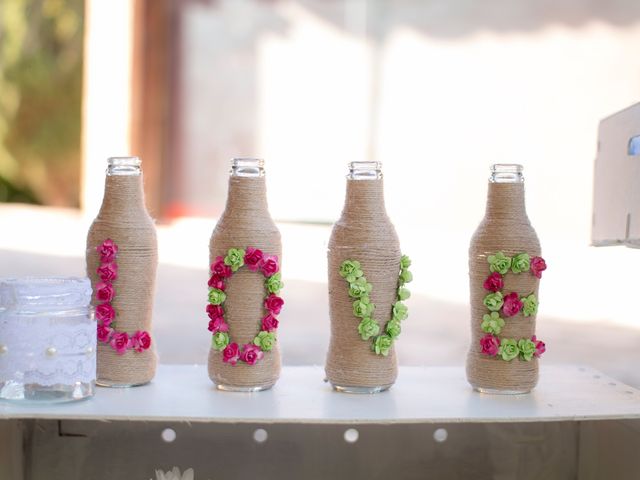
x=247 y=167
x=506 y=173
x=123 y=166
x=365 y=171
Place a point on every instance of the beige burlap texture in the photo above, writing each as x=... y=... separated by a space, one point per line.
x=505 y=228
x=124 y=219
x=363 y=233
x=244 y=223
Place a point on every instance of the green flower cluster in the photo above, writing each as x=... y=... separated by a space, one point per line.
x=220 y=340
x=235 y=258
x=529 y=305
x=510 y=349
x=265 y=340
x=502 y=264
x=363 y=308
x=274 y=284
x=492 y=323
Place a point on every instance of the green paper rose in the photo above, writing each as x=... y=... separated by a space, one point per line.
x=363 y=307
x=359 y=288
x=405 y=262
x=492 y=323
x=234 y=258
x=499 y=263
x=350 y=270
x=382 y=345
x=527 y=348
x=529 y=305
x=393 y=329
x=403 y=293
x=216 y=296
x=405 y=277
x=265 y=340
x=493 y=301
x=400 y=311
x=520 y=263
x=274 y=283
x=220 y=340
x=508 y=349
x=368 y=328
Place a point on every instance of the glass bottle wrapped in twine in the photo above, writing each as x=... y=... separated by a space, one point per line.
x=363 y=234
x=504 y=272
x=122 y=258
x=245 y=224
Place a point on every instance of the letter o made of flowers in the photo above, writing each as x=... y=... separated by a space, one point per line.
x=222 y=269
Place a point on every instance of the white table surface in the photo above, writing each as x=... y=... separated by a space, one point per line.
x=421 y=395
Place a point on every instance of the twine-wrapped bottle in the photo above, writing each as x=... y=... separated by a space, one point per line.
x=244 y=355
x=504 y=271
x=122 y=258
x=363 y=234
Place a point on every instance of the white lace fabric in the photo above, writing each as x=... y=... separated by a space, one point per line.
x=47 y=343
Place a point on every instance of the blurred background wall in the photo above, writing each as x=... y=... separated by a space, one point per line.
x=437 y=90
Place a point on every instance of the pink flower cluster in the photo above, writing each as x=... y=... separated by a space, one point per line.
x=254 y=260
x=105 y=313
x=249 y=354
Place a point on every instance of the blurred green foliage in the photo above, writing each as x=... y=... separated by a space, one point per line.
x=41 y=45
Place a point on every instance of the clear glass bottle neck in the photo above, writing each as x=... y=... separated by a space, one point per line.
x=365 y=171
x=123 y=166
x=506 y=173
x=247 y=167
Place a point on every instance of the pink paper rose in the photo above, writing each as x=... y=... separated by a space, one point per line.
x=216 y=281
x=273 y=303
x=220 y=268
x=251 y=354
x=489 y=345
x=214 y=311
x=105 y=313
x=269 y=265
x=140 y=341
x=108 y=272
x=269 y=323
x=120 y=342
x=218 y=325
x=494 y=282
x=538 y=265
x=107 y=251
x=512 y=304
x=104 y=292
x=252 y=258
x=540 y=346
x=104 y=333
x=231 y=354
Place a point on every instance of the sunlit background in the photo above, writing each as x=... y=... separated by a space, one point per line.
x=436 y=90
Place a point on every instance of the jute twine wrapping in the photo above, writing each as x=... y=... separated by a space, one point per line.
x=363 y=233
x=244 y=223
x=505 y=228
x=124 y=219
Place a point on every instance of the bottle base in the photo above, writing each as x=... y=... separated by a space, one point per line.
x=114 y=384
x=235 y=388
x=33 y=393
x=496 y=391
x=359 y=390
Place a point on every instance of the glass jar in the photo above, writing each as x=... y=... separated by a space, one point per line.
x=47 y=339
